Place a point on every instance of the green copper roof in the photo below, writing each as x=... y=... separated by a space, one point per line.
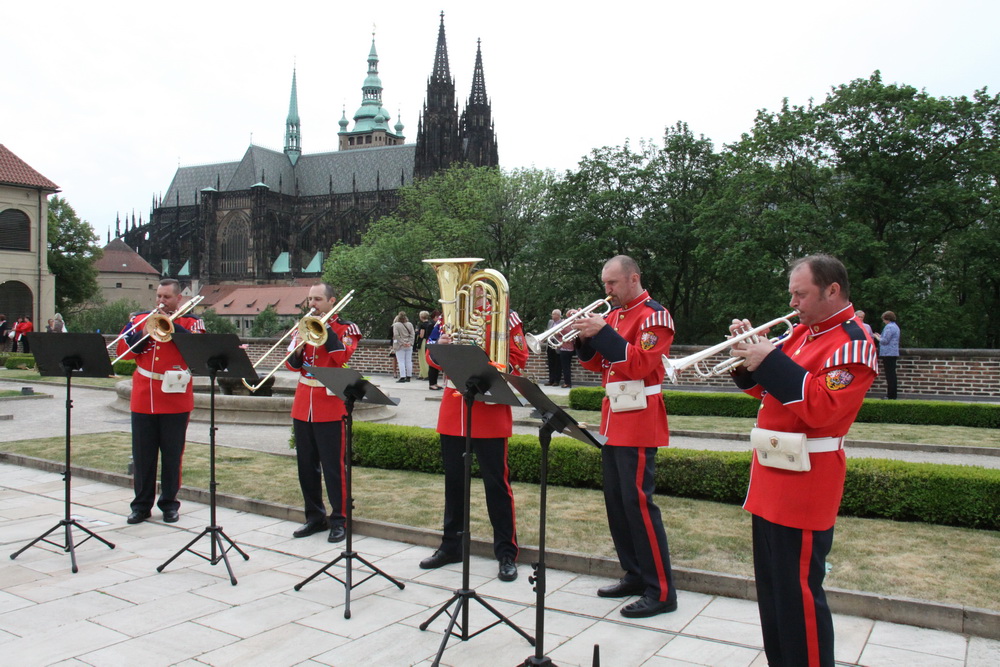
x=281 y=264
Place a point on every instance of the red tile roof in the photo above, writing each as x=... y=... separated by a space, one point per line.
x=15 y=171
x=254 y=299
x=120 y=258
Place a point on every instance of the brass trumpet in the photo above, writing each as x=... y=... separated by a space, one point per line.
x=553 y=337
x=311 y=331
x=158 y=326
x=674 y=366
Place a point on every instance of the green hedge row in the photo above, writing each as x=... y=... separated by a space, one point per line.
x=875 y=488
x=18 y=360
x=124 y=367
x=730 y=404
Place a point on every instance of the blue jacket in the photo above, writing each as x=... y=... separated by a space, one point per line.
x=889 y=345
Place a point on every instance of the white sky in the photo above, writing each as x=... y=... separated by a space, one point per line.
x=106 y=98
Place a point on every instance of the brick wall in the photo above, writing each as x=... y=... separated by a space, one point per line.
x=924 y=372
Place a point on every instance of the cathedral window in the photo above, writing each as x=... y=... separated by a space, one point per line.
x=234 y=246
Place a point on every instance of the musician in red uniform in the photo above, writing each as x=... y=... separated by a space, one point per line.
x=317 y=419
x=161 y=404
x=625 y=347
x=492 y=424
x=813 y=385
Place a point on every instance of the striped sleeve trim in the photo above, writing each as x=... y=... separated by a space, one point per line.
x=513 y=320
x=658 y=319
x=854 y=352
x=353 y=329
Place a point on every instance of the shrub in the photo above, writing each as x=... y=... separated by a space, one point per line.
x=124 y=367
x=20 y=361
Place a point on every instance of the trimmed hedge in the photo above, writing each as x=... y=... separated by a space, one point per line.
x=18 y=361
x=124 y=367
x=875 y=411
x=949 y=495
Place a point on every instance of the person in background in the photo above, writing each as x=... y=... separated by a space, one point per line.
x=888 y=351
x=566 y=353
x=25 y=328
x=860 y=316
x=50 y=326
x=424 y=327
x=433 y=373
x=552 y=358
x=4 y=332
x=402 y=346
x=58 y=325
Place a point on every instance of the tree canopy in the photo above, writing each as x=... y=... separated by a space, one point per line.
x=73 y=250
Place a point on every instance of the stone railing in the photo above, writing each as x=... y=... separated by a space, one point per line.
x=922 y=372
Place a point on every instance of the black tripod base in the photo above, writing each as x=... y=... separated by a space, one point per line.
x=461 y=600
x=69 y=525
x=219 y=550
x=533 y=661
x=348 y=580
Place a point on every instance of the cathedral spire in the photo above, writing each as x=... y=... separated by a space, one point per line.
x=478 y=95
x=441 y=74
x=371 y=120
x=293 y=146
x=437 y=127
x=478 y=139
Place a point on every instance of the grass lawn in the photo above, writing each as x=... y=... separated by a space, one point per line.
x=878 y=556
x=33 y=376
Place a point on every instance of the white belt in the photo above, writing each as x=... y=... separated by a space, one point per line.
x=150 y=374
x=820 y=445
x=653 y=389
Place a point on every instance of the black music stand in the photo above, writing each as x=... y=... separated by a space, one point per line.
x=66 y=355
x=214 y=355
x=468 y=367
x=349 y=387
x=554 y=420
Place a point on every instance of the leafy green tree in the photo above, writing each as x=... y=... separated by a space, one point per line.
x=268 y=324
x=215 y=323
x=73 y=250
x=107 y=318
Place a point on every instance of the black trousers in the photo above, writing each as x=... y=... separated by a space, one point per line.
x=491 y=453
x=890 y=376
x=566 y=363
x=789 y=566
x=635 y=521
x=554 y=364
x=156 y=437
x=320 y=452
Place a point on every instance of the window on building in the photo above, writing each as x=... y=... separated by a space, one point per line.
x=15 y=230
x=118 y=285
x=234 y=246
x=15 y=300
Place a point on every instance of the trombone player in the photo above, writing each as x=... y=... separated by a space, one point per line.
x=161 y=403
x=317 y=419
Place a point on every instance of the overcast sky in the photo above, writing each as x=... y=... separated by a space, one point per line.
x=106 y=98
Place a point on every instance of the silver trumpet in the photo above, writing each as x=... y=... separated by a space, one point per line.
x=554 y=337
x=673 y=367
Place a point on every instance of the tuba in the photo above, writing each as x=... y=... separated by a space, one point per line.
x=462 y=320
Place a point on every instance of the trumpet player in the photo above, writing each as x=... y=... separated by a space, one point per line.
x=317 y=420
x=625 y=346
x=811 y=390
x=161 y=404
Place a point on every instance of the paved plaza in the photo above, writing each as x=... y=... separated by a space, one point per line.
x=118 y=610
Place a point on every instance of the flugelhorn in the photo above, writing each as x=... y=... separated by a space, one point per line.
x=553 y=337
x=160 y=327
x=462 y=320
x=674 y=366
x=311 y=331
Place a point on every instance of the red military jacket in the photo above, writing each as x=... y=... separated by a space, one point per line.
x=313 y=402
x=631 y=348
x=152 y=359
x=814 y=384
x=489 y=420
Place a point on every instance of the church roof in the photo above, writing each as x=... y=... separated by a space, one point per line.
x=360 y=169
x=118 y=257
x=15 y=171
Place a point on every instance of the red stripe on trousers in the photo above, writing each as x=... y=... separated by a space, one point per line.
x=343 y=468
x=808 y=603
x=510 y=494
x=654 y=546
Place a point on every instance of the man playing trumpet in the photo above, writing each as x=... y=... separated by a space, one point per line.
x=625 y=347
x=161 y=404
x=811 y=390
x=317 y=420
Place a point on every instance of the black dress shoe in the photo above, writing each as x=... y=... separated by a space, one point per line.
x=622 y=589
x=508 y=570
x=171 y=516
x=336 y=534
x=138 y=516
x=646 y=606
x=438 y=559
x=311 y=528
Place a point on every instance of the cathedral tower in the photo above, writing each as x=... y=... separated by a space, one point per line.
x=479 y=139
x=437 y=133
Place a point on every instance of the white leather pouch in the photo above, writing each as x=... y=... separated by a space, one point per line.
x=777 y=449
x=626 y=396
x=175 y=382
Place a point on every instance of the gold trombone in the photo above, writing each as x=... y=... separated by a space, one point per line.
x=311 y=331
x=673 y=367
x=553 y=336
x=132 y=327
x=158 y=326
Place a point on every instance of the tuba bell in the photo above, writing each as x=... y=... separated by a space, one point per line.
x=460 y=288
